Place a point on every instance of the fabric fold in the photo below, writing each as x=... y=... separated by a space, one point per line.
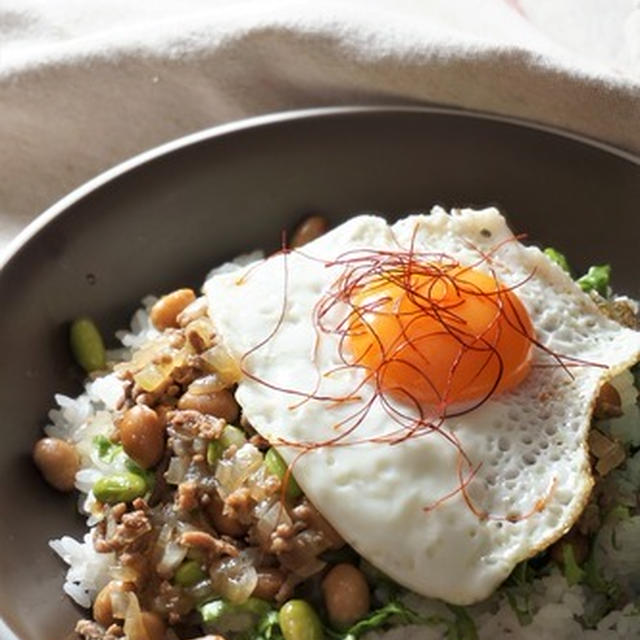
x=82 y=90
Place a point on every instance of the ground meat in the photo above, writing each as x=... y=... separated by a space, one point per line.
x=298 y=545
x=259 y=442
x=89 y=630
x=301 y=556
x=239 y=505
x=185 y=374
x=622 y=310
x=282 y=536
x=308 y=514
x=132 y=533
x=190 y=424
x=150 y=398
x=196 y=341
x=608 y=403
x=607 y=453
x=172 y=601
x=187 y=496
x=215 y=546
x=169 y=345
x=218 y=516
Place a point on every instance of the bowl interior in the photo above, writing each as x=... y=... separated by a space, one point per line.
x=164 y=223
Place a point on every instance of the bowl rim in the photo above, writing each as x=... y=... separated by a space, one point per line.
x=59 y=207
x=24 y=237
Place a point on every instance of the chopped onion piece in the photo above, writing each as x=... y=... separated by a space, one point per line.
x=133 y=623
x=207 y=384
x=176 y=470
x=273 y=514
x=310 y=568
x=201 y=590
x=200 y=445
x=151 y=377
x=221 y=361
x=171 y=558
x=119 y=603
x=165 y=534
x=235 y=578
x=111 y=527
x=256 y=483
x=194 y=310
x=202 y=326
x=124 y=573
x=231 y=473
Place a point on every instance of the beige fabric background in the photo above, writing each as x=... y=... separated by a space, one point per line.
x=86 y=85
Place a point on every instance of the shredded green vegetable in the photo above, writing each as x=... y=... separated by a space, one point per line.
x=596 y=279
x=107 y=450
x=222 y=616
x=518 y=590
x=267 y=628
x=396 y=613
x=572 y=571
x=558 y=258
x=464 y=627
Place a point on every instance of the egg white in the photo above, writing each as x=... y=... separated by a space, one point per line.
x=528 y=445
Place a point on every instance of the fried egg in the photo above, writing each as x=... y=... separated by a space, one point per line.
x=431 y=383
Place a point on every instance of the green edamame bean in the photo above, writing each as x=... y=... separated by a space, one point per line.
x=298 y=621
x=214 y=452
x=278 y=467
x=87 y=345
x=222 y=615
x=119 y=487
x=232 y=435
x=189 y=573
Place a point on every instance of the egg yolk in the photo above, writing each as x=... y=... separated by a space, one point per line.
x=440 y=335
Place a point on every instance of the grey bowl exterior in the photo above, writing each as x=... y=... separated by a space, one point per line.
x=162 y=219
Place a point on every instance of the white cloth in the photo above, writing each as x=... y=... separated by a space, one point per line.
x=86 y=84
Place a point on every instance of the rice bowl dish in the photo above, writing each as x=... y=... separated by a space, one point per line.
x=228 y=507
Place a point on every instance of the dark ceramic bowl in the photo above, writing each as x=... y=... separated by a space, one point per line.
x=162 y=219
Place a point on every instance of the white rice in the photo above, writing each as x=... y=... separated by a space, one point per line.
x=555 y=604
x=88 y=570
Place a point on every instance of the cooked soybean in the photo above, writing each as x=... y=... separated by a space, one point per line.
x=58 y=462
x=165 y=311
x=309 y=229
x=142 y=435
x=220 y=403
x=102 y=609
x=154 y=625
x=346 y=595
